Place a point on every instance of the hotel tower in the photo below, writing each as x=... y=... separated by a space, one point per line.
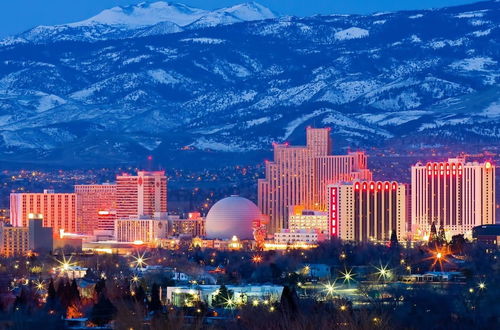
x=367 y=211
x=141 y=195
x=299 y=176
x=455 y=194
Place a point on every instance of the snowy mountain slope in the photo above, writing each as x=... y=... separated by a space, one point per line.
x=239 y=87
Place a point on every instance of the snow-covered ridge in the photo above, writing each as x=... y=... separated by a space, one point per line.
x=144 y=19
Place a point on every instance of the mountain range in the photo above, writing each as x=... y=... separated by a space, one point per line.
x=176 y=82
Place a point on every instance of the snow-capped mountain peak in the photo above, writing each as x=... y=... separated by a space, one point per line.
x=145 y=14
x=143 y=19
x=249 y=11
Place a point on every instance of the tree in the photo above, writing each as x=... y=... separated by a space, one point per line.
x=51 y=292
x=433 y=235
x=457 y=244
x=289 y=301
x=394 y=239
x=441 y=235
x=100 y=286
x=140 y=295
x=155 y=303
x=222 y=297
x=74 y=292
x=103 y=312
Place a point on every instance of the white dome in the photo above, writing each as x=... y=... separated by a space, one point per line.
x=232 y=216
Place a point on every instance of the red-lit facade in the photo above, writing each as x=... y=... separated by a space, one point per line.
x=141 y=195
x=365 y=211
x=95 y=202
x=58 y=210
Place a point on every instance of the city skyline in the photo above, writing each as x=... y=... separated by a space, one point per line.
x=167 y=165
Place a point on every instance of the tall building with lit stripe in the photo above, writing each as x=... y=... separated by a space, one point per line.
x=58 y=209
x=92 y=202
x=367 y=211
x=455 y=194
x=141 y=195
x=298 y=175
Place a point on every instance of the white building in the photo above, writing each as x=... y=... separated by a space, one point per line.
x=301 y=219
x=456 y=194
x=288 y=236
x=142 y=229
x=242 y=294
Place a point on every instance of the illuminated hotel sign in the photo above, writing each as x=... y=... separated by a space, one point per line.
x=333 y=211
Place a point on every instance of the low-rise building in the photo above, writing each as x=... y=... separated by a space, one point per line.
x=288 y=236
x=487 y=234
x=193 y=225
x=241 y=294
x=301 y=219
x=145 y=229
x=22 y=240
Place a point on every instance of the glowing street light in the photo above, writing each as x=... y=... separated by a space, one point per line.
x=140 y=260
x=229 y=303
x=39 y=285
x=347 y=275
x=383 y=272
x=66 y=264
x=330 y=288
x=257 y=259
x=482 y=286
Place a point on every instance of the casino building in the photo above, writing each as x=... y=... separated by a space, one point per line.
x=299 y=176
x=367 y=211
x=455 y=194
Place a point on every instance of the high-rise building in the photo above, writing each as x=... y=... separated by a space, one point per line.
x=367 y=211
x=92 y=202
x=455 y=194
x=299 y=175
x=58 y=210
x=141 y=195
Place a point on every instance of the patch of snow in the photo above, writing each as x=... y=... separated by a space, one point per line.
x=382 y=21
x=481 y=33
x=415 y=39
x=415 y=16
x=48 y=102
x=203 y=143
x=294 y=124
x=258 y=121
x=135 y=59
x=212 y=41
x=492 y=111
x=478 y=22
x=351 y=33
x=471 y=14
x=163 y=77
x=473 y=64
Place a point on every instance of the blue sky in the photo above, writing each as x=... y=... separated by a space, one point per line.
x=20 y=15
